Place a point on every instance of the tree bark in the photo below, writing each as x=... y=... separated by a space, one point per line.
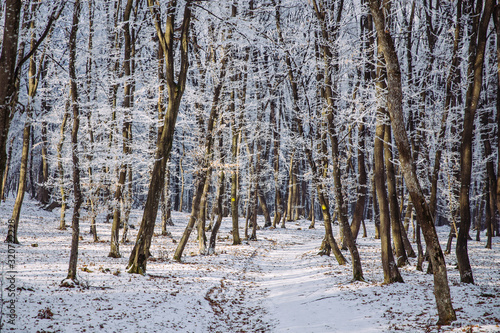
x=472 y=100
x=204 y=173
x=8 y=59
x=140 y=252
x=496 y=20
x=359 y=209
x=12 y=237
x=391 y=271
x=424 y=215
x=60 y=167
x=401 y=258
x=78 y=199
x=127 y=103
x=330 y=95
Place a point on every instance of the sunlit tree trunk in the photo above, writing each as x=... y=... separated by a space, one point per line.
x=140 y=252
x=391 y=271
x=60 y=167
x=32 y=87
x=218 y=199
x=6 y=172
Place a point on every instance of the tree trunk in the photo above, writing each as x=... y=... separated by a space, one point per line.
x=496 y=20
x=166 y=214
x=6 y=172
x=472 y=99
x=391 y=271
x=12 y=237
x=60 y=168
x=401 y=258
x=8 y=60
x=234 y=183
x=424 y=215
x=291 y=189
x=140 y=252
x=204 y=173
x=219 y=196
x=73 y=259
x=359 y=209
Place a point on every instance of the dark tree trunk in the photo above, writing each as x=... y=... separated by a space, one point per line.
x=472 y=99
x=424 y=215
x=140 y=252
x=8 y=59
x=78 y=199
x=359 y=210
x=391 y=271
x=401 y=258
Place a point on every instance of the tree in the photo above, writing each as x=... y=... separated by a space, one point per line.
x=175 y=88
x=8 y=59
x=126 y=135
x=71 y=279
x=424 y=215
x=391 y=271
x=471 y=104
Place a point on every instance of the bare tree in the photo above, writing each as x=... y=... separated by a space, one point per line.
x=175 y=88
x=77 y=193
x=424 y=215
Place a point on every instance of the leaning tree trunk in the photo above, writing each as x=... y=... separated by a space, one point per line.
x=219 y=197
x=140 y=252
x=424 y=215
x=16 y=212
x=32 y=88
x=330 y=97
x=204 y=173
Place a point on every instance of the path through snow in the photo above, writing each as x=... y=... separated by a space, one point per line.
x=276 y=284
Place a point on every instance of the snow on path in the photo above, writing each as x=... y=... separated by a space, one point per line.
x=301 y=290
x=276 y=284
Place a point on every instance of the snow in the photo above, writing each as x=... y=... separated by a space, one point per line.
x=275 y=284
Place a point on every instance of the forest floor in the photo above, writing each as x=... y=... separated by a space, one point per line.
x=275 y=284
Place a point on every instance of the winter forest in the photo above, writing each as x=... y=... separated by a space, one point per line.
x=231 y=166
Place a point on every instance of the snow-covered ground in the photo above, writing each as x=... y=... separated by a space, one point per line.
x=275 y=284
